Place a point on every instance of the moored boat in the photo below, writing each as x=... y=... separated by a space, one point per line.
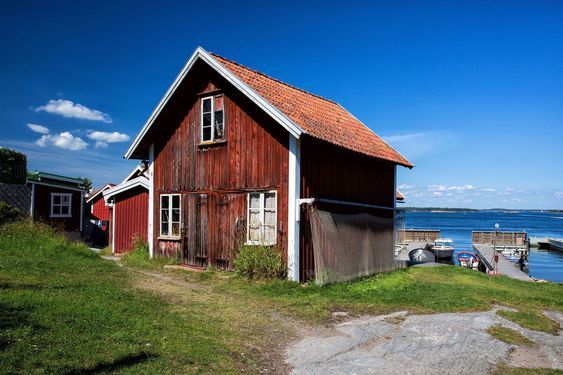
x=467 y=259
x=418 y=256
x=443 y=248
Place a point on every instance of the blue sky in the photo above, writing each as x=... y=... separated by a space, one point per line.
x=471 y=92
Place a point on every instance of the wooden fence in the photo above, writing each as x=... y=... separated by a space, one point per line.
x=518 y=239
x=417 y=235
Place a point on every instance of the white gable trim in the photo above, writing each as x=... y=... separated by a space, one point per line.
x=202 y=54
x=139 y=181
x=98 y=193
x=133 y=172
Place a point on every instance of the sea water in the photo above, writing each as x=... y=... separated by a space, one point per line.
x=458 y=225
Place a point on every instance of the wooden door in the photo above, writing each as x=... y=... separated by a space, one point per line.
x=196 y=227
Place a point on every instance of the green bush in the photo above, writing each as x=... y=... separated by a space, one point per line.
x=8 y=213
x=259 y=262
x=13 y=166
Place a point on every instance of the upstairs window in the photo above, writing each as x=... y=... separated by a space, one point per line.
x=212 y=118
x=61 y=204
x=170 y=215
x=262 y=218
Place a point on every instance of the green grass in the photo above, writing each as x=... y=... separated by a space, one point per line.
x=65 y=309
x=139 y=258
x=505 y=370
x=106 y=251
x=532 y=320
x=418 y=289
x=509 y=336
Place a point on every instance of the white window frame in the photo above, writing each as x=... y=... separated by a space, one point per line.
x=212 y=99
x=262 y=218
x=61 y=205
x=168 y=234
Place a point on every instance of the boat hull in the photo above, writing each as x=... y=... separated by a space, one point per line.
x=443 y=253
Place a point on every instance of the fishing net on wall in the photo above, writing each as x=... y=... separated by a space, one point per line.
x=348 y=246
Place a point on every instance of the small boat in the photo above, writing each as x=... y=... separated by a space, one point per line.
x=467 y=259
x=418 y=256
x=443 y=248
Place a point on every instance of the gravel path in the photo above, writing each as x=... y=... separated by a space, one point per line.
x=456 y=343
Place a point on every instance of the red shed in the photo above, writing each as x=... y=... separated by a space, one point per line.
x=57 y=200
x=235 y=156
x=128 y=203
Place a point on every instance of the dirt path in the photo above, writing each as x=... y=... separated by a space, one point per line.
x=260 y=333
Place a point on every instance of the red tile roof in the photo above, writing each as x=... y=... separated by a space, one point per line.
x=319 y=117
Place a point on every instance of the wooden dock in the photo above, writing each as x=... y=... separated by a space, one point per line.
x=503 y=267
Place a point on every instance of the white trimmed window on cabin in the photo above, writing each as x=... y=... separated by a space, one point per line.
x=61 y=205
x=262 y=218
x=212 y=118
x=170 y=215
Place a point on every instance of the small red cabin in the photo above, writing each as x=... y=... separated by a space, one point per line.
x=128 y=205
x=57 y=200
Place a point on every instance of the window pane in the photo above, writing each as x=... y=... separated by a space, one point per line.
x=206 y=136
x=219 y=125
x=56 y=199
x=269 y=234
x=218 y=103
x=270 y=217
x=206 y=119
x=64 y=210
x=176 y=215
x=175 y=201
x=270 y=200
x=164 y=201
x=175 y=229
x=207 y=105
x=164 y=229
x=254 y=220
x=254 y=200
x=164 y=216
x=56 y=210
x=254 y=234
x=65 y=199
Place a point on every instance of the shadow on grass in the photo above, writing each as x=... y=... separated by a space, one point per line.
x=12 y=318
x=125 y=361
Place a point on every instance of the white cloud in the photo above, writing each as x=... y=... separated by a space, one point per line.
x=64 y=140
x=68 y=109
x=103 y=138
x=38 y=128
x=437 y=193
x=451 y=188
x=421 y=144
x=559 y=194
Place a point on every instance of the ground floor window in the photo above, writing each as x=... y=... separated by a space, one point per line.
x=262 y=218
x=61 y=204
x=170 y=215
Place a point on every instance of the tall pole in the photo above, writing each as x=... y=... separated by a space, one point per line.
x=495 y=248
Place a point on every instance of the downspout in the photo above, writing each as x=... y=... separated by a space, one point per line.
x=293 y=207
x=150 y=234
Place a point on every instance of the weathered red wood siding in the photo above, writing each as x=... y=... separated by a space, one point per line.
x=99 y=209
x=131 y=218
x=214 y=179
x=42 y=207
x=330 y=172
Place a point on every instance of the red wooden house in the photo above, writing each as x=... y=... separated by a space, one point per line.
x=128 y=205
x=57 y=200
x=237 y=157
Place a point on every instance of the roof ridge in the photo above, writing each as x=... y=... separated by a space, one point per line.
x=274 y=79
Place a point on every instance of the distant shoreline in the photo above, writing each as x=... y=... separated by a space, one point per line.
x=452 y=209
